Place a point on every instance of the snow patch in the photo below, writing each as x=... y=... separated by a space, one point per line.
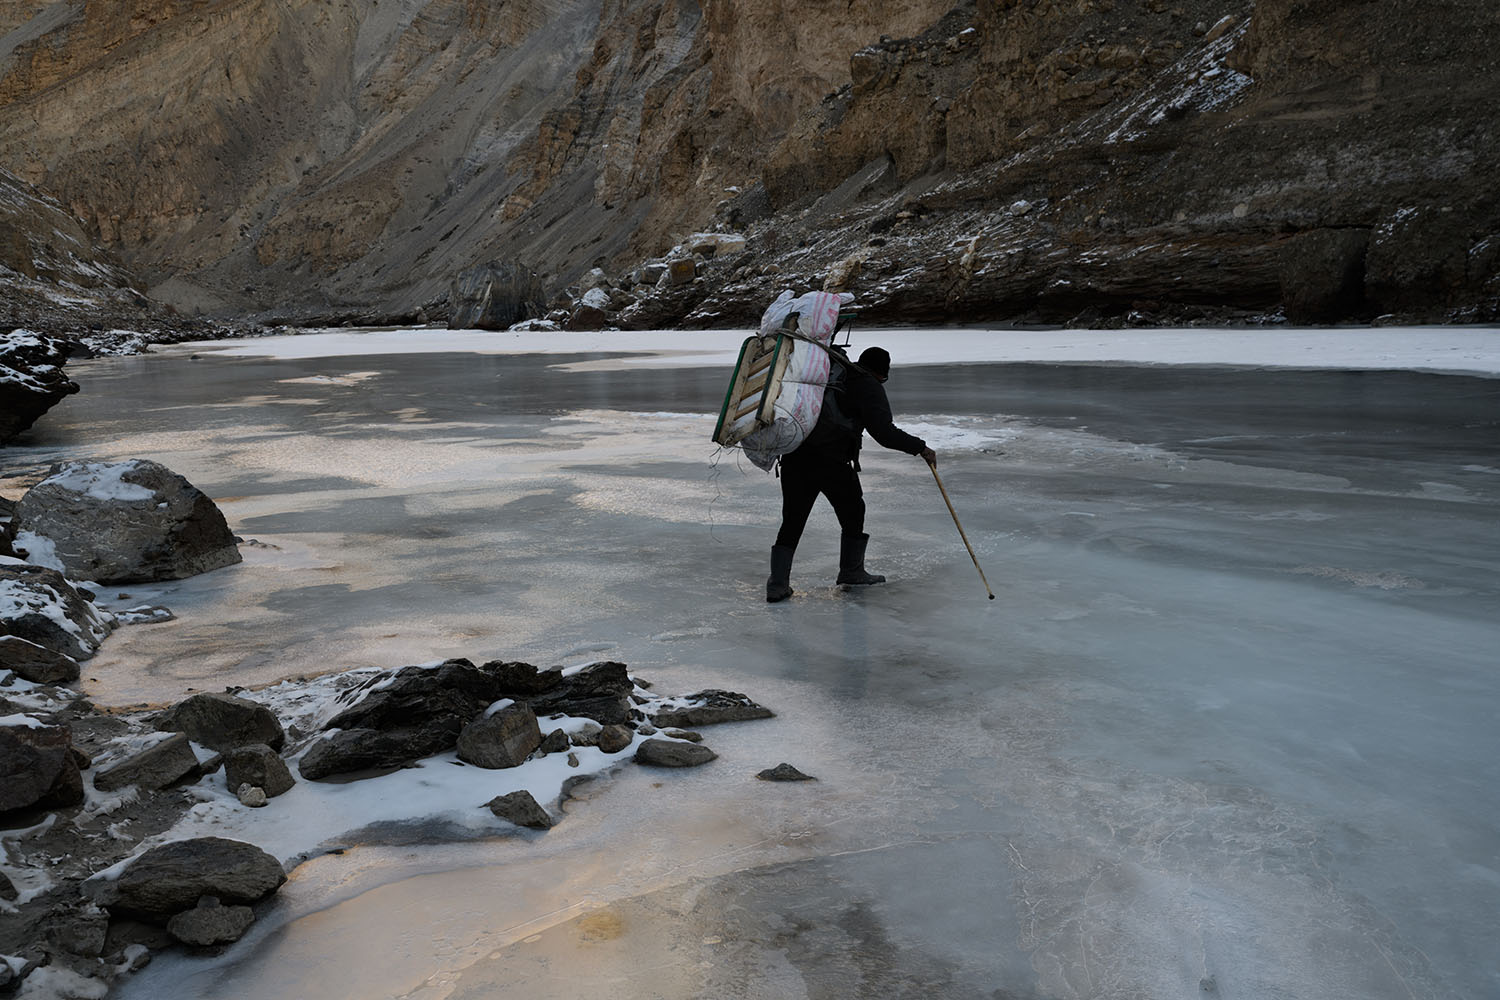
x=100 y=480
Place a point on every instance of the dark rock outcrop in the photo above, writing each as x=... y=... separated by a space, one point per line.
x=783 y=772
x=600 y=691
x=126 y=522
x=352 y=751
x=223 y=722
x=31 y=379
x=494 y=296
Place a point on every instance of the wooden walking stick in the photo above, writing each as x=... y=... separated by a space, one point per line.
x=987 y=590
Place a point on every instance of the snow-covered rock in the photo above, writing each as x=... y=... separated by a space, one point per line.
x=31 y=379
x=38 y=605
x=123 y=522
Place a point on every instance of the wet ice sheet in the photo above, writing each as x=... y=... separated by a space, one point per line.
x=1228 y=725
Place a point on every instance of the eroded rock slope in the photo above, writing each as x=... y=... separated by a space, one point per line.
x=1046 y=160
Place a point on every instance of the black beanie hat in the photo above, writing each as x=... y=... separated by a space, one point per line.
x=876 y=361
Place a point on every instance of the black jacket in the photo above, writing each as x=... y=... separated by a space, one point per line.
x=854 y=402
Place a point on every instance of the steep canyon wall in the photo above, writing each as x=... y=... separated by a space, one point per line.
x=999 y=160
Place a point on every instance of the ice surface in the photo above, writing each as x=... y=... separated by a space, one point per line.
x=1228 y=727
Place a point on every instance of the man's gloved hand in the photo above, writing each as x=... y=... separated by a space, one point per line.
x=930 y=456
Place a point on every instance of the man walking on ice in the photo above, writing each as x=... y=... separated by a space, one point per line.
x=827 y=462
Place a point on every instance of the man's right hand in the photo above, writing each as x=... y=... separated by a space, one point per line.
x=930 y=456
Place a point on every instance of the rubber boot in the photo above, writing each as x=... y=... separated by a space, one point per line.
x=852 y=561
x=778 y=584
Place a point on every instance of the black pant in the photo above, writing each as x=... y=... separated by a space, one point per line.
x=802 y=481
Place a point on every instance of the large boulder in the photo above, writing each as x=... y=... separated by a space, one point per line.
x=31 y=379
x=494 y=296
x=123 y=522
x=38 y=605
x=169 y=879
x=223 y=722
x=37 y=770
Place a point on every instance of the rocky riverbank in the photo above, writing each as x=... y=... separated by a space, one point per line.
x=125 y=830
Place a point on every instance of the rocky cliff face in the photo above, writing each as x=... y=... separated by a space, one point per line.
x=1047 y=160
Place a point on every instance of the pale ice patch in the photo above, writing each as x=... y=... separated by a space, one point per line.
x=1379 y=579
x=348 y=378
x=957 y=433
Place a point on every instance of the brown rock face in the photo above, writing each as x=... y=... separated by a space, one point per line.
x=348 y=161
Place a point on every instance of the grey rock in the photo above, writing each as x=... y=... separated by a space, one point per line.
x=210 y=923
x=504 y=739
x=260 y=766
x=784 y=772
x=683 y=734
x=77 y=928
x=555 y=742
x=37 y=771
x=711 y=707
x=521 y=809
x=494 y=296
x=250 y=795
x=31 y=379
x=134 y=521
x=37 y=597
x=8 y=890
x=587 y=316
x=154 y=768
x=38 y=664
x=613 y=739
x=171 y=878
x=669 y=753
x=223 y=722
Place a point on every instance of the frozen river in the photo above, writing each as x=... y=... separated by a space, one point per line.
x=1229 y=728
